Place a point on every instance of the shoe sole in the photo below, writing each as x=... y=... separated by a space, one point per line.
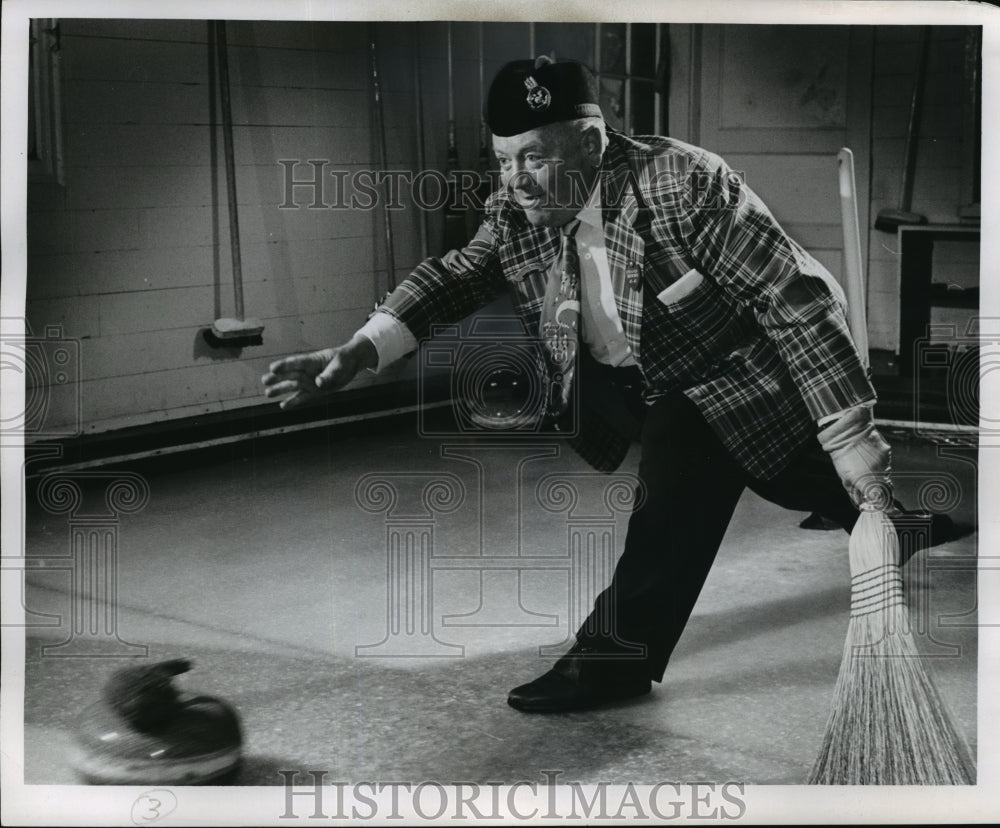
x=562 y=708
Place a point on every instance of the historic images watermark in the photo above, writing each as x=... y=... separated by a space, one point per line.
x=307 y=795
x=495 y=431
x=496 y=390
x=956 y=359
x=49 y=368
x=948 y=367
x=92 y=562
x=317 y=184
x=94 y=502
x=412 y=503
x=496 y=406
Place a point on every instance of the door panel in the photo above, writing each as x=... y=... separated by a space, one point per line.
x=778 y=102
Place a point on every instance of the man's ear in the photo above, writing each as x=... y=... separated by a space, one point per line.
x=592 y=145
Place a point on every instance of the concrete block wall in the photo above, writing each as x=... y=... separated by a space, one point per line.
x=131 y=254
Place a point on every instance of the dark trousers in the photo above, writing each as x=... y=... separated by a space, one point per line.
x=691 y=488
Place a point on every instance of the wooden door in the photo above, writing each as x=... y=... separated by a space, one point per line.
x=778 y=102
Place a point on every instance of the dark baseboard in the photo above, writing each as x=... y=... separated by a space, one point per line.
x=927 y=398
x=230 y=433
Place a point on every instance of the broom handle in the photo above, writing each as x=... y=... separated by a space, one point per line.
x=227 y=144
x=854 y=274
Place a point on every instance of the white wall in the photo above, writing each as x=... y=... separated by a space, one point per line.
x=132 y=254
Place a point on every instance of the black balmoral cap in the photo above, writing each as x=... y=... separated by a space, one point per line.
x=527 y=94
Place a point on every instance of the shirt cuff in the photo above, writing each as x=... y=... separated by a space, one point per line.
x=832 y=418
x=391 y=338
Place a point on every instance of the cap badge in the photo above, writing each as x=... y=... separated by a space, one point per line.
x=538 y=96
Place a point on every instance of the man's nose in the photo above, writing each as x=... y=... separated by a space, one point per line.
x=519 y=178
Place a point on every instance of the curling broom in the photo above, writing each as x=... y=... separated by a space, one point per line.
x=889 y=724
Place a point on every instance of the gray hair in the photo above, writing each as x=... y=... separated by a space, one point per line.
x=581 y=125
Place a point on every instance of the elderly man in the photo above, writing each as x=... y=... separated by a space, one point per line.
x=662 y=292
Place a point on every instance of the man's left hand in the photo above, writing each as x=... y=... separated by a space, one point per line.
x=861 y=456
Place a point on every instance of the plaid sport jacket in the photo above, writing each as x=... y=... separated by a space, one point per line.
x=715 y=299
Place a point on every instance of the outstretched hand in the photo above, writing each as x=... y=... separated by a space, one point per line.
x=304 y=376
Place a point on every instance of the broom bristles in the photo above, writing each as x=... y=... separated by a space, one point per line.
x=888 y=725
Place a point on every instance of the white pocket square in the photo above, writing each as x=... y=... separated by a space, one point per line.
x=684 y=286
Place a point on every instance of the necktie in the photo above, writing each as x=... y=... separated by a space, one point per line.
x=560 y=322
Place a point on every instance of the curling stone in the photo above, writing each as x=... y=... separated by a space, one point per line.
x=143 y=731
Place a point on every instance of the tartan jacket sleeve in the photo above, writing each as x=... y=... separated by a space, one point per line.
x=736 y=240
x=448 y=288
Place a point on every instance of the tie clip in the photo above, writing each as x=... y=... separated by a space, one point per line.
x=633 y=275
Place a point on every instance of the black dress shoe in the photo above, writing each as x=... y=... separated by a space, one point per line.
x=818 y=522
x=581 y=680
x=918 y=530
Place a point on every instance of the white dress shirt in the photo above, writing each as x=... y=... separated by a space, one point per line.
x=600 y=325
